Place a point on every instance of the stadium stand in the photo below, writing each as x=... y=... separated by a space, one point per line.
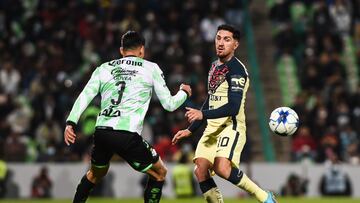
x=317 y=38
x=49 y=48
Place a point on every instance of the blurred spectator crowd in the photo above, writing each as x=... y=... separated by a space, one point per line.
x=49 y=49
x=320 y=40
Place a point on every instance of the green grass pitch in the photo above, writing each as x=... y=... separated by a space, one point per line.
x=192 y=200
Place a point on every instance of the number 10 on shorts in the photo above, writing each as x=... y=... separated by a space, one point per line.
x=223 y=142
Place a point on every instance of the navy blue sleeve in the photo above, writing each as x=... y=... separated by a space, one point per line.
x=196 y=124
x=236 y=79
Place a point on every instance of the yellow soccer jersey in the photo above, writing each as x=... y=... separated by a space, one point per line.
x=227 y=87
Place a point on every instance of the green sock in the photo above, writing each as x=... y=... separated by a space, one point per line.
x=153 y=191
x=83 y=190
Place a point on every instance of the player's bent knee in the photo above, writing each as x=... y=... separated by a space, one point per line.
x=92 y=177
x=162 y=174
x=222 y=167
x=158 y=174
x=221 y=171
x=201 y=172
x=96 y=174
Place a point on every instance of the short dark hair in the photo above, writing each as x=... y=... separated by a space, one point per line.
x=132 y=39
x=232 y=29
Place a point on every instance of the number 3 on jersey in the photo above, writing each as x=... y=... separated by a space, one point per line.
x=121 y=85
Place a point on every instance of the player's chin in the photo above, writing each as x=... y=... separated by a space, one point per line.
x=221 y=54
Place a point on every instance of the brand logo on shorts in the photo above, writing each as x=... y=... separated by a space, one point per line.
x=153 y=153
x=136 y=164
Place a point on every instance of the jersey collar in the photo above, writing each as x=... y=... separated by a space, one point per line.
x=130 y=56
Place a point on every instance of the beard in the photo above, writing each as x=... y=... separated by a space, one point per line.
x=222 y=55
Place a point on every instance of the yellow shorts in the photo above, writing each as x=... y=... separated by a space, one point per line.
x=221 y=142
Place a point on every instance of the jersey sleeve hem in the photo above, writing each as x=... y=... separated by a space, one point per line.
x=72 y=123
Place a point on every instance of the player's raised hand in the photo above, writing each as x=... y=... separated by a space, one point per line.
x=193 y=114
x=69 y=135
x=181 y=134
x=186 y=88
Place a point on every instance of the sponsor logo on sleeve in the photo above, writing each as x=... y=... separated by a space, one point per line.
x=237 y=83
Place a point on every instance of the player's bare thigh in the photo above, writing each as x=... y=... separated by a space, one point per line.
x=206 y=147
x=202 y=168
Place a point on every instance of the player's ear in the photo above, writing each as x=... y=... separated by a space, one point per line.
x=121 y=51
x=142 y=51
x=236 y=44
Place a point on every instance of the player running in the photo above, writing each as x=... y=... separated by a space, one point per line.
x=125 y=86
x=219 y=148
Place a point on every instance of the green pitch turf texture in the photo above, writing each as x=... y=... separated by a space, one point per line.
x=194 y=200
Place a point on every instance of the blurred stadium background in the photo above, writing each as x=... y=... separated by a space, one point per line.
x=304 y=54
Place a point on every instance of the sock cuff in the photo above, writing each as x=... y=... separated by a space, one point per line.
x=206 y=185
x=87 y=182
x=154 y=183
x=235 y=176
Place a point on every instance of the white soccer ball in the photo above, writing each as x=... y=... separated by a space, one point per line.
x=284 y=121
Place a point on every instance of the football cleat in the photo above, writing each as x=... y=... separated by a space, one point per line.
x=270 y=198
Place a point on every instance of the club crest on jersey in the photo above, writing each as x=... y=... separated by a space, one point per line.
x=216 y=77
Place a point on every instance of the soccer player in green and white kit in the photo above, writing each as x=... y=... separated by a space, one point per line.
x=125 y=86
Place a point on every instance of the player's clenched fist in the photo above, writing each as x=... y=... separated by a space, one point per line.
x=186 y=88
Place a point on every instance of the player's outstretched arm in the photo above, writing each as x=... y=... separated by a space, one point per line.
x=181 y=134
x=90 y=90
x=169 y=102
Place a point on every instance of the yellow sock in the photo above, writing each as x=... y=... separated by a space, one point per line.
x=249 y=186
x=213 y=196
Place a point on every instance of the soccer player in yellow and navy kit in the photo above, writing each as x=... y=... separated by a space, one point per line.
x=220 y=146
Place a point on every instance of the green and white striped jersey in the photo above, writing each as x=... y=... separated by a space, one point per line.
x=125 y=86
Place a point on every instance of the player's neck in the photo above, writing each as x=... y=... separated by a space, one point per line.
x=225 y=59
x=132 y=53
